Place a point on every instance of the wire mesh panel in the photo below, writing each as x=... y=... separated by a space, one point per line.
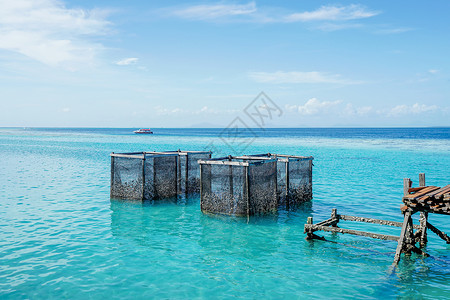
x=149 y=189
x=155 y=175
x=262 y=181
x=160 y=176
x=238 y=187
x=294 y=177
x=300 y=181
x=281 y=180
x=182 y=172
x=222 y=190
x=189 y=171
x=126 y=180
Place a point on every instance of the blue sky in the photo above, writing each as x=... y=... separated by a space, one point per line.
x=183 y=64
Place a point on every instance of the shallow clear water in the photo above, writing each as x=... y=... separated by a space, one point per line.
x=62 y=237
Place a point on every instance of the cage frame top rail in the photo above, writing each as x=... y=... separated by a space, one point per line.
x=231 y=161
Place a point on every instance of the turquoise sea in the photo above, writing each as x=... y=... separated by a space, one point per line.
x=62 y=237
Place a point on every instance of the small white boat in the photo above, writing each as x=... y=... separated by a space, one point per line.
x=144 y=131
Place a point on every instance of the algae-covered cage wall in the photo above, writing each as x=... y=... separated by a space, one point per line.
x=188 y=170
x=143 y=175
x=238 y=187
x=294 y=177
x=155 y=175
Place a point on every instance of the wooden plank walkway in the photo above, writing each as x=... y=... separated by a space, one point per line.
x=428 y=199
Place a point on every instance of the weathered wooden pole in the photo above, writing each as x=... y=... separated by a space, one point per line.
x=406 y=222
x=409 y=240
x=309 y=234
x=401 y=240
x=421 y=179
x=409 y=237
x=406 y=185
x=423 y=217
x=335 y=217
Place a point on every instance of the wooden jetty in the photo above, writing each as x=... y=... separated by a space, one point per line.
x=423 y=199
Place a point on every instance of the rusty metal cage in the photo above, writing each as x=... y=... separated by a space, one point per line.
x=155 y=175
x=238 y=186
x=294 y=177
x=255 y=184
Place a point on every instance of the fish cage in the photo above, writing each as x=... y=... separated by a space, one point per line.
x=294 y=177
x=188 y=170
x=238 y=186
x=155 y=175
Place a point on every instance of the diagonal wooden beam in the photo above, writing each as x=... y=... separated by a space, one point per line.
x=439 y=233
x=401 y=239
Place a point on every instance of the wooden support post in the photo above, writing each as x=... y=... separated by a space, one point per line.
x=408 y=241
x=406 y=185
x=422 y=179
x=401 y=240
x=334 y=213
x=309 y=234
x=423 y=218
x=405 y=234
x=409 y=237
x=335 y=217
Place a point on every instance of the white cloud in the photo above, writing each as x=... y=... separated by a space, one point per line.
x=332 y=13
x=249 y=12
x=315 y=112
x=48 y=32
x=411 y=109
x=351 y=110
x=313 y=106
x=433 y=71
x=338 y=26
x=160 y=110
x=393 y=30
x=214 y=11
x=127 y=61
x=65 y=109
x=298 y=77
